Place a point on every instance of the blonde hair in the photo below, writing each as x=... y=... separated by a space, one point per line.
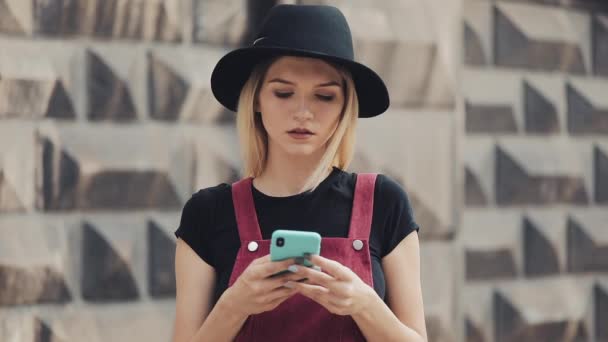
x=253 y=138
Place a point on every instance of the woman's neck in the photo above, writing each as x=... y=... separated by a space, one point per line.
x=285 y=175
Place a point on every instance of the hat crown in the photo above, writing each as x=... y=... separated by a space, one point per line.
x=314 y=28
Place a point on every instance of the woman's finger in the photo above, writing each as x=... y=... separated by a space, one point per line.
x=315 y=276
x=332 y=267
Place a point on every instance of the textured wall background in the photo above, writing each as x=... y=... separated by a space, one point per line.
x=498 y=130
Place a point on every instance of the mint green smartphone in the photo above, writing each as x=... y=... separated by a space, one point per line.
x=286 y=244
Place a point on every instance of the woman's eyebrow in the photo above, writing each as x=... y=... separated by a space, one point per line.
x=326 y=84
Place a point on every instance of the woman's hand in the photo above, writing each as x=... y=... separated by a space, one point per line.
x=338 y=288
x=254 y=292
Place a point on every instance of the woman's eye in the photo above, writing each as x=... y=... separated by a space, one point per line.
x=326 y=98
x=282 y=95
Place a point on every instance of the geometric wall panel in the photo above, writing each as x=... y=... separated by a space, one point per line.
x=35 y=99
x=473 y=50
x=523 y=41
x=540 y=113
x=533 y=314
x=489 y=119
x=517 y=186
x=106 y=276
x=474 y=194
x=484 y=265
x=167 y=90
x=585 y=254
x=491 y=245
x=147 y=20
x=32 y=285
x=8 y=21
x=540 y=256
x=77 y=175
x=600 y=170
x=161 y=262
x=600 y=44
x=600 y=298
x=584 y=115
x=109 y=95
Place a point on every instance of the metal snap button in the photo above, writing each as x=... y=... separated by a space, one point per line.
x=252 y=246
x=358 y=245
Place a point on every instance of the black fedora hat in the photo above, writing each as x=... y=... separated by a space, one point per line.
x=300 y=30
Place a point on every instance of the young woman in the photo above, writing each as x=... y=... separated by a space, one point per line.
x=298 y=94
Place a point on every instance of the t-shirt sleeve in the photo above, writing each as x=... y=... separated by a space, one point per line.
x=399 y=220
x=197 y=214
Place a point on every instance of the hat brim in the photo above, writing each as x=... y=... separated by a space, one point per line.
x=232 y=71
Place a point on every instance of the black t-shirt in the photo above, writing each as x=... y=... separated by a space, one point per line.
x=208 y=223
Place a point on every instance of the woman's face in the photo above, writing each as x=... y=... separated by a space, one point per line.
x=300 y=100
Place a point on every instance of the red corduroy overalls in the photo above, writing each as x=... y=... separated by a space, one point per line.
x=300 y=318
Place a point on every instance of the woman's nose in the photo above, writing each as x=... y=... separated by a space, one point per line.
x=303 y=111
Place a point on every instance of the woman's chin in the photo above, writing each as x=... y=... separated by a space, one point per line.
x=301 y=150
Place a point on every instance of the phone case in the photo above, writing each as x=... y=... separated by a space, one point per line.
x=296 y=244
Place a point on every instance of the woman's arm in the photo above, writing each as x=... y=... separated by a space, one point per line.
x=252 y=293
x=195 y=281
x=403 y=318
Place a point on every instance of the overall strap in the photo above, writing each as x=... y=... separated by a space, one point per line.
x=363 y=206
x=244 y=211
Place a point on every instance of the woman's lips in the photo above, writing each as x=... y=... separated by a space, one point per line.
x=300 y=135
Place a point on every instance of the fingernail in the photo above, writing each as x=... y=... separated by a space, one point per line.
x=316 y=268
x=299 y=260
x=292 y=268
x=288 y=285
x=307 y=255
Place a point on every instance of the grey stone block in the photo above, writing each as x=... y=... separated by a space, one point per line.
x=161 y=262
x=474 y=195
x=489 y=119
x=600 y=44
x=540 y=256
x=35 y=99
x=600 y=170
x=521 y=41
x=584 y=117
x=33 y=285
x=106 y=276
x=9 y=23
x=109 y=95
x=516 y=186
x=540 y=113
x=584 y=253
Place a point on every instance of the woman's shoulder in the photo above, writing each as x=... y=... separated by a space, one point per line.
x=208 y=198
x=386 y=186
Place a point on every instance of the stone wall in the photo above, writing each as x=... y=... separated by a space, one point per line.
x=498 y=131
